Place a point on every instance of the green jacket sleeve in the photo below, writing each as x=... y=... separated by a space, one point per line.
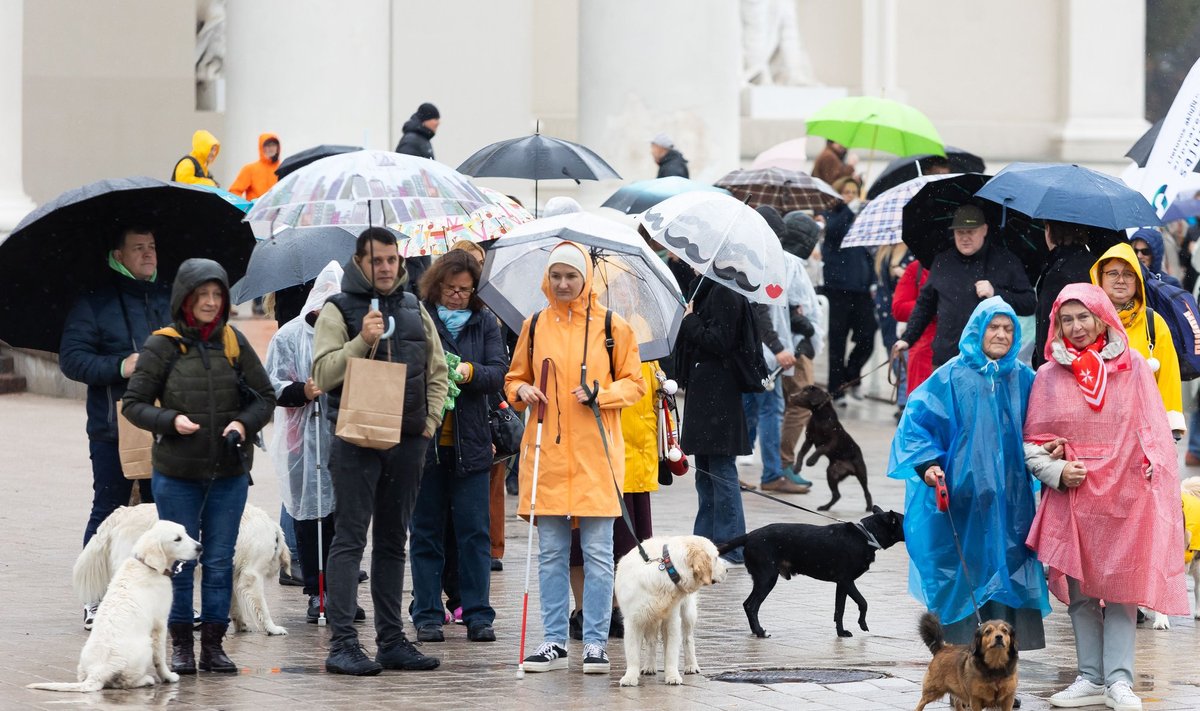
x=437 y=374
x=332 y=346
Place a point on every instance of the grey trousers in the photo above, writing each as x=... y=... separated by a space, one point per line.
x=1104 y=637
x=379 y=484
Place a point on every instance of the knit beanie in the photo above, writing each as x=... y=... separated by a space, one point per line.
x=427 y=111
x=570 y=255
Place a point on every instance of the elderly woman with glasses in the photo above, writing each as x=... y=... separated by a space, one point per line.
x=455 y=482
x=1119 y=273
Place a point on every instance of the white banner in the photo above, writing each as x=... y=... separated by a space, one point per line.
x=1177 y=148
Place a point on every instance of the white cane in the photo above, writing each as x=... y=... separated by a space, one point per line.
x=537 y=455
x=320 y=519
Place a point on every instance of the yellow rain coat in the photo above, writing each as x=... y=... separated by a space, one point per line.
x=185 y=171
x=639 y=424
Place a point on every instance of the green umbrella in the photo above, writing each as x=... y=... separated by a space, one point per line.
x=877 y=124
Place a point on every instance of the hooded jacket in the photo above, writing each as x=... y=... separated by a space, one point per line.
x=185 y=171
x=258 y=177
x=573 y=476
x=1120 y=533
x=416 y=140
x=1154 y=239
x=1138 y=335
x=200 y=383
x=672 y=164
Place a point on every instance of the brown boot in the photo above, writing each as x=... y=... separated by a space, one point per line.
x=212 y=655
x=183 y=648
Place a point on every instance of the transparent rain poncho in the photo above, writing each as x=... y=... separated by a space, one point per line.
x=298 y=434
x=968 y=417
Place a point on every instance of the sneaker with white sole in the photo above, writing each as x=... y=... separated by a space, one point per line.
x=1081 y=693
x=1120 y=697
x=595 y=659
x=548 y=657
x=89 y=614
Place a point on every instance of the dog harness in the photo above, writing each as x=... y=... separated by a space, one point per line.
x=665 y=564
x=874 y=542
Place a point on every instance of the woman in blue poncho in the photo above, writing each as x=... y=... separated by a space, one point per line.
x=966 y=422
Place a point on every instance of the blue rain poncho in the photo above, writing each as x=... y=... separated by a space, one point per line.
x=968 y=418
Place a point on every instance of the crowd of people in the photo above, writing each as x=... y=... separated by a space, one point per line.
x=972 y=414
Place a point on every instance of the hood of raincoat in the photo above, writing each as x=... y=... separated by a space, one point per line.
x=970 y=344
x=1124 y=252
x=327 y=283
x=262 y=151
x=587 y=297
x=1096 y=301
x=1153 y=238
x=202 y=143
x=192 y=273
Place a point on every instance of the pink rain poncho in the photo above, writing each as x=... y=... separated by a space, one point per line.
x=1120 y=533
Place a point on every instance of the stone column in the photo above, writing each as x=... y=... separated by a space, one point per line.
x=879 y=50
x=1103 y=82
x=632 y=55
x=14 y=203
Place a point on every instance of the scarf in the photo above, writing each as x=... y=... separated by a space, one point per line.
x=119 y=268
x=454 y=319
x=1090 y=374
x=1128 y=312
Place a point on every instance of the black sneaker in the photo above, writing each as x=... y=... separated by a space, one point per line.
x=497 y=565
x=363 y=577
x=481 y=632
x=351 y=659
x=314 y=609
x=291 y=578
x=89 y=614
x=595 y=659
x=616 y=624
x=576 y=625
x=511 y=485
x=430 y=633
x=547 y=657
x=404 y=655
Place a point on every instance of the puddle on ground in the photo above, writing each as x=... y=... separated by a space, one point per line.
x=802 y=675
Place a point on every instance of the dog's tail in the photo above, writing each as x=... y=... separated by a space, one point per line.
x=930 y=628
x=85 y=685
x=729 y=545
x=1191 y=485
x=93 y=570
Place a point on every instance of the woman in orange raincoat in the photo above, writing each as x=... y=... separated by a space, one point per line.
x=578 y=481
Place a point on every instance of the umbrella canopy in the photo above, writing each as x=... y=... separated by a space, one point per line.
x=789 y=155
x=629 y=278
x=59 y=250
x=1181 y=210
x=784 y=190
x=435 y=236
x=293 y=257
x=723 y=240
x=904 y=169
x=537 y=157
x=880 y=222
x=297 y=161
x=1069 y=193
x=644 y=194
x=878 y=124
x=237 y=201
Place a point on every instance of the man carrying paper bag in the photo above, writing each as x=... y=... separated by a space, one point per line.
x=370 y=478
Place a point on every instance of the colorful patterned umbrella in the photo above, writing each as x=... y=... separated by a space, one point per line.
x=435 y=236
x=784 y=190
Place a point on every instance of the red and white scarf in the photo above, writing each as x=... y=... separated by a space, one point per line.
x=1090 y=374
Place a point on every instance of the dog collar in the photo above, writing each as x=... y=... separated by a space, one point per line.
x=874 y=542
x=169 y=572
x=665 y=564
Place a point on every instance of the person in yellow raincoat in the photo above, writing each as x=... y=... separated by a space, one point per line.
x=196 y=167
x=1119 y=273
x=578 y=481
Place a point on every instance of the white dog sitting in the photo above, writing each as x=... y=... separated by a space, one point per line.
x=659 y=599
x=128 y=645
x=258 y=555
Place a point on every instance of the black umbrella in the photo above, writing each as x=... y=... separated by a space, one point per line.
x=904 y=169
x=535 y=158
x=59 y=250
x=296 y=161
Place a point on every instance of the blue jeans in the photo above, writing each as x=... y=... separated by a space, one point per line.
x=719 y=517
x=1193 y=444
x=465 y=500
x=766 y=409
x=554 y=578
x=211 y=512
x=110 y=488
x=288 y=524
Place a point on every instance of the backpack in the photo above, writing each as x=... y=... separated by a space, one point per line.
x=609 y=343
x=197 y=169
x=1178 y=308
x=749 y=366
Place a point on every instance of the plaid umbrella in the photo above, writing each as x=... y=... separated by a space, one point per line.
x=881 y=220
x=784 y=190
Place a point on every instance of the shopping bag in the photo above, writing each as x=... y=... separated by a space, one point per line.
x=372 y=403
x=133 y=445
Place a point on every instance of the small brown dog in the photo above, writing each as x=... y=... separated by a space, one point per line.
x=980 y=676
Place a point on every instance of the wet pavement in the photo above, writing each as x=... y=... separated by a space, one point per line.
x=47 y=477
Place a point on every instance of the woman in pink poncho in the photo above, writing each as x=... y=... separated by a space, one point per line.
x=1110 y=526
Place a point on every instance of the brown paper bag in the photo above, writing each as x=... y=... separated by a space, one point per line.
x=133 y=444
x=372 y=403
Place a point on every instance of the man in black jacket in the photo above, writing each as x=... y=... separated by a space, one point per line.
x=670 y=161
x=1070 y=263
x=419 y=130
x=962 y=277
x=100 y=344
x=371 y=483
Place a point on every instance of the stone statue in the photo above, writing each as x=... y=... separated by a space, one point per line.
x=771 y=49
x=210 y=55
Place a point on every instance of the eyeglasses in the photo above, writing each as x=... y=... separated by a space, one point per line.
x=457 y=291
x=1115 y=275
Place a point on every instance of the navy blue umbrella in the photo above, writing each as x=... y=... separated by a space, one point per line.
x=1181 y=210
x=1069 y=193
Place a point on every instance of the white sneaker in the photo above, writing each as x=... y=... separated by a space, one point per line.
x=1080 y=693
x=1120 y=697
x=548 y=657
x=595 y=659
x=89 y=614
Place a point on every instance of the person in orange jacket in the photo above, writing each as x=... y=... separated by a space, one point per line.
x=579 y=479
x=256 y=178
x=196 y=167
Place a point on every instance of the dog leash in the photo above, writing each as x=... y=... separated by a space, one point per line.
x=895 y=373
x=943 y=505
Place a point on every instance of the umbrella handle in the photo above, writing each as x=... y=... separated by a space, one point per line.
x=391 y=320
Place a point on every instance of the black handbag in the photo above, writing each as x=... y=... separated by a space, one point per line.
x=507 y=431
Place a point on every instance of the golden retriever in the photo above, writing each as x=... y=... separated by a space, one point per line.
x=128 y=645
x=981 y=675
x=655 y=606
x=1189 y=487
x=260 y=552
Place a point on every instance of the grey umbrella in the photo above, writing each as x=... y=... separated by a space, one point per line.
x=535 y=158
x=295 y=256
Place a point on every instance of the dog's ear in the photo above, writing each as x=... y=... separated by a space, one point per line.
x=876 y=510
x=822 y=398
x=976 y=647
x=1012 y=644
x=151 y=551
x=700 y=564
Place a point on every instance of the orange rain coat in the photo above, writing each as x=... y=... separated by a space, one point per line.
x=574 y=477
x=258 y=177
